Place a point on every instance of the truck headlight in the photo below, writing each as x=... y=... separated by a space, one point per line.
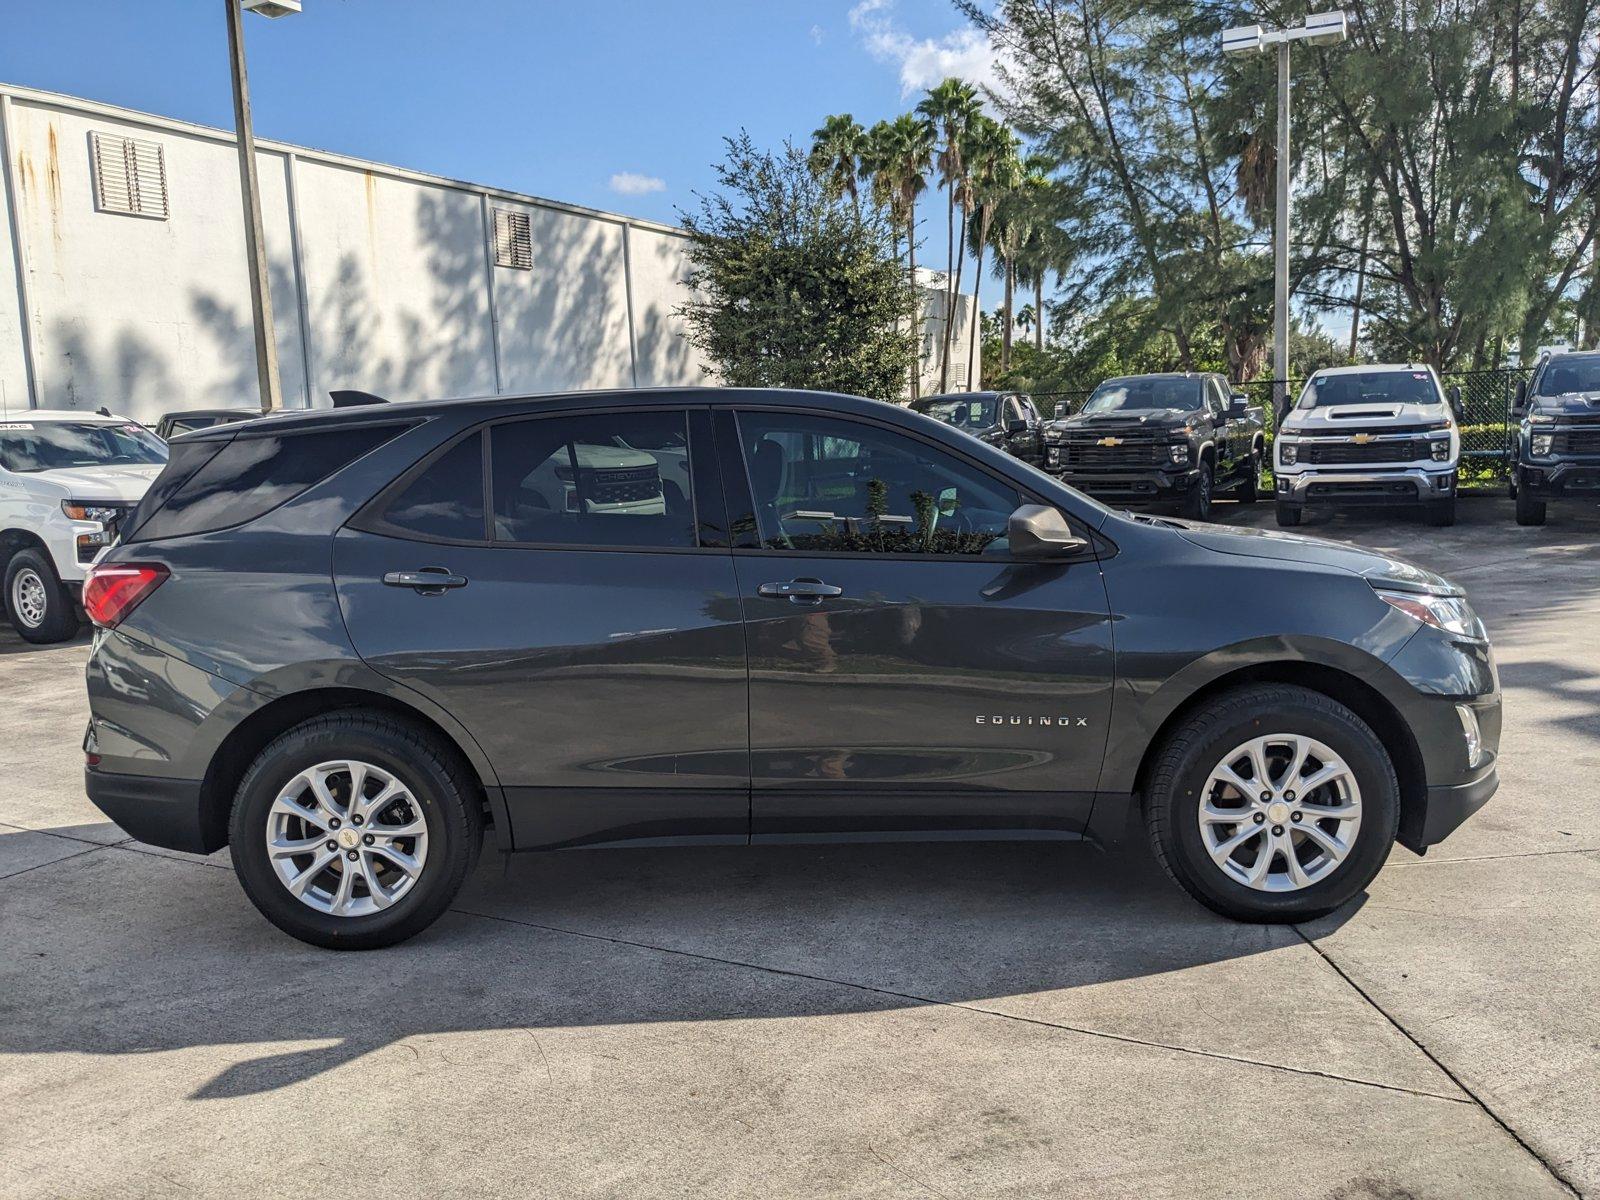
x=1452 y=614
x=1440 y=450
x=1288 y=453
x=1542 y=442
x=88 y=510
x=1179 y=452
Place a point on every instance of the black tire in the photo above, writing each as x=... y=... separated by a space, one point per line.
x=1197 y=504
x=1204 y=738
x=1529 y=510
x=1289 y=515
x=434 y=774
x=1250 y=491
x=1441 y=513
x=31 y=571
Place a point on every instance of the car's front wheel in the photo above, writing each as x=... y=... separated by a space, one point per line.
x=41 y=610
x=355 y=830
x=1529 y=510
x=1272 y=803
x=1197 y=505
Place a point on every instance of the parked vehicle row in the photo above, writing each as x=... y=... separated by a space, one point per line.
x=1556 y=447
x=346 y=642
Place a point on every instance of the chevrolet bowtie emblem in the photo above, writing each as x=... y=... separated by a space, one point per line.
x=1109 y=441
x=1361 y=439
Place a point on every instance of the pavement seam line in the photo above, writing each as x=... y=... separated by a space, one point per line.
x=1434 y=1058
x=1445 y=862
x=1126 y=1039
x=66 y=837
x=53 y=861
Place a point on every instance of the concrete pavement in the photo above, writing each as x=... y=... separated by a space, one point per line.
x=924 y=1020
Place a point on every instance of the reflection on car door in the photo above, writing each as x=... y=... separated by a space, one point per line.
x=906 y=676
x=593 y=644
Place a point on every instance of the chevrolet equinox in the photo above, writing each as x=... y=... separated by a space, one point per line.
x=348 y=642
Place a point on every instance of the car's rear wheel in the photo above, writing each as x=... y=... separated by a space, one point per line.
x=40 y=608
x=1529 y=510
x=355 y=830
x=1272 y=803
x=1250 y=490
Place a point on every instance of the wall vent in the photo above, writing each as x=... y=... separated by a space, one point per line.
x=513 y=240
x=130 y=176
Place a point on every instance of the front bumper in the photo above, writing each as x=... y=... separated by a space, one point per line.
x=1398 y=485
x=1554 y=478
x=1153 y=485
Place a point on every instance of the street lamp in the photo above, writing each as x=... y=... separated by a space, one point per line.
x=255 y=240
x=1320 y=29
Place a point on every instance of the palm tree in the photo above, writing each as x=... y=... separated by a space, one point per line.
x=1025 y=318
x=897 y=158
x=994 y=171
x=950 y=109
x=836 y=151
x=1015 y=214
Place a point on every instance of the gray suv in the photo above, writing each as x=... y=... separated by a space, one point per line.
x=347 y=643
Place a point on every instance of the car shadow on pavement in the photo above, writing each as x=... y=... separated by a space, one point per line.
x=1043 y=932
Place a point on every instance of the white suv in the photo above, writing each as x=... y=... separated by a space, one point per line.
x=1372 y=435
x=67 y=479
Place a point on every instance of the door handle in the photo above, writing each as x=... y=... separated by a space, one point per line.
x=429 y=581
x=801 y=591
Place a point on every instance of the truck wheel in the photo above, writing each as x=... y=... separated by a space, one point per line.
x=39 y=606
x=1289 y=514
x=1529 y=510
x=1197 y=504
x=355 y=830
x=1272 y=803
x=1441 y=512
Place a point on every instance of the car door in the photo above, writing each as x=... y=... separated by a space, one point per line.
x=562 y=585
x=907 y=676
x=1227 y=432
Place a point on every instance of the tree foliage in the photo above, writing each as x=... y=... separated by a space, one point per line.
x=794 y=285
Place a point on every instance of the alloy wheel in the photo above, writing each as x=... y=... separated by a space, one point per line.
x=1280 y=813
x=347 y=838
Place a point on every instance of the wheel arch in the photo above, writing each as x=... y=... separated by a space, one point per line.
x=1349 y=689
x=239 y=748
x=13 y=541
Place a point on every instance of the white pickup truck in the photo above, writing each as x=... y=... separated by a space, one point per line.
x=67 y=479
x=1371 y=435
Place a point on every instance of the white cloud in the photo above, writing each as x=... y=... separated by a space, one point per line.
x=631 y=183
x=818 y=33
x=924 y=62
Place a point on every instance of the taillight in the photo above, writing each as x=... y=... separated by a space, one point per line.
x=113 y=591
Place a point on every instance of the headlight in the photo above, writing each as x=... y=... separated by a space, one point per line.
x=1179 y=452
x=1452 y=614
x=88 y=510
x=1288 y=453
x=1052 y=435
x=1542 y=443
x=1440 y=450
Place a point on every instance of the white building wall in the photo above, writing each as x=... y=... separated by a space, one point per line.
x=13 y=363
x=382 y=279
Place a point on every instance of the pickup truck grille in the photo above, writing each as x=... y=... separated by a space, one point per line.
x=1577 y=441
x=1344 y=453
x=1090 y=453
x=623 y=486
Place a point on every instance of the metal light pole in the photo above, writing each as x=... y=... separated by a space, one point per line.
x=254 y=240
x=1320 y=29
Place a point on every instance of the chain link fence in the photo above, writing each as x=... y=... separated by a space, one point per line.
x=1486 y=398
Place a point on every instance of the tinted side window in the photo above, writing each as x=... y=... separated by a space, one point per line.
x=446 y=499
x=599 y=479
x=825 y=484
x=248 y=477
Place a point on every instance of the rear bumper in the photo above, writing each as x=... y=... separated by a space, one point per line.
x=1400 y=485
x=1555 y=479
x=162 y=812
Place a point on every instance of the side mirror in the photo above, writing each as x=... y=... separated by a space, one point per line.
x=1455 y=401
x=1017 y=426
x=1520 y=404
x=1038 y=531
x=1238 y=406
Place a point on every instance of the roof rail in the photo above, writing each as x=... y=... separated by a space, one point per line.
x=346 y=398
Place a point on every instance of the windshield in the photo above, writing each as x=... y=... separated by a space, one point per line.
x=976 y=412
x=1371 y=387
x=53 y=445
x=1570 y=373
x=1179 y=394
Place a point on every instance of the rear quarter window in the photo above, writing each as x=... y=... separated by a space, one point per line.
x=216 y=485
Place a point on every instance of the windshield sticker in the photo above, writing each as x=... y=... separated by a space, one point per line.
x=16 y=425
x=1419 y=374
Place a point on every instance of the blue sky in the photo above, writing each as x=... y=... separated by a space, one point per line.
x=610 y=104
